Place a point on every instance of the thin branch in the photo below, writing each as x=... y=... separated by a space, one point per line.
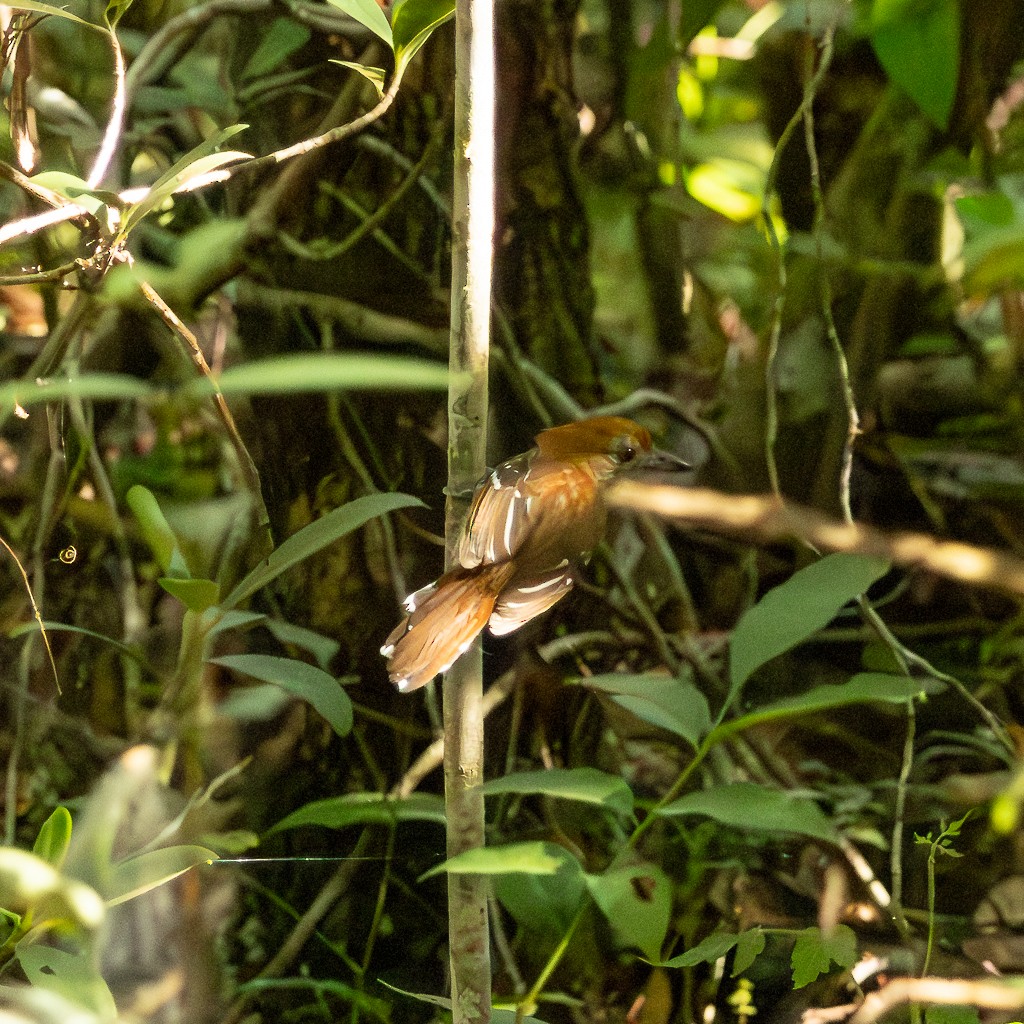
x=115 y=126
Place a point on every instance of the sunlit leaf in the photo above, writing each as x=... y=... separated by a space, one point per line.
x=72 y=975
x=98 y=387
x=54 y=837
x=534 y=858
x=136 y=875
x=585 y=784
x=369 y=14
x=374 y=75
x=413 y=23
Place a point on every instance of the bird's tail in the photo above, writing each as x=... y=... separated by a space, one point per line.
x=442 y=620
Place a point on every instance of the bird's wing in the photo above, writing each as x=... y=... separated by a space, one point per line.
x=499 y=518
x=519 y=603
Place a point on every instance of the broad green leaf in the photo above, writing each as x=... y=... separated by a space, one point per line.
x=325 y=371
x=315 y=537
x=863 y=688
x=753 y=808
x=374 y=75
x=637 y=901
x=918 y=44
x=675 y=705
x=279 y=42
x=311 y=684
x=364 y=809
x=247 y=704
x=795 y=610
x=536 y=858
x=231 y=843
x=94 y=387
x=713 y=948
x=748 y=947
x=368 y=13
x=52 y=842
x=544 y=905
x=413 y=23
x=196 y=595
x=71 y=975
x=586 y=784
x=814 y=953
x=156 y=531
x=237 y=620
x=136 y=875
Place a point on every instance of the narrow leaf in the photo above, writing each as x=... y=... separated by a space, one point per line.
x=307 y=682
x=196 y=595
x=753 y=808
x=95 y=387
x=279 y=42
x=713 y=948
x=156 y=531
x=137 y=875
x=325 y=371
x=315 y=537
x=364 y=809
x=587 y=785
x=374 y=75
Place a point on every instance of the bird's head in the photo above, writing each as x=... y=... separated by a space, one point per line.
x=608 y=443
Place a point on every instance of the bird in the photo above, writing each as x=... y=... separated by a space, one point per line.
x=531 y=522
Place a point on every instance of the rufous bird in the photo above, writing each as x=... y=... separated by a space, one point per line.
x=531 y=522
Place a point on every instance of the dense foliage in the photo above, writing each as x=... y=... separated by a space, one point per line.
x=763 y=762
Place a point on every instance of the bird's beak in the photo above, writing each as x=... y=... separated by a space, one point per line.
x=658 y=461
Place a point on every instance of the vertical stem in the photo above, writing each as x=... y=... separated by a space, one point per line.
x=472 y=229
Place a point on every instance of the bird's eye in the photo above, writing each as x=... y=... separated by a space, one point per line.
x=624 y=449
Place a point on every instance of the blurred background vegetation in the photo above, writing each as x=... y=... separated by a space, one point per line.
x=714 y=216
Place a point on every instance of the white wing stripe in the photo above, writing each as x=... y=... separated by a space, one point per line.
x=554 y=581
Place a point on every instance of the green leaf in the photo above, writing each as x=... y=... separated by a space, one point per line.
x=369 y=14
x=713 y=948
x=587 y=785
x=315 y=537
x=753 y=808
x=637 y=901
x=669 y=703
x=323 y=648
x=184 y=170
x=374 y=75
x=863 y=688
x=73 y=976
x=53 y=11
x=196 y=595
x=413 y=23
x=71 y=187
x=795 y=610
x=94 y=387
x=535 y=858
x=748 y=948
x=918 y=45
x=544 y=905
x=135 y=875
x=279 y=42
x=814 y=953
x=156 y=531
x=307 y=682
x=52 y=842
x=364 y=809
x=325 y=371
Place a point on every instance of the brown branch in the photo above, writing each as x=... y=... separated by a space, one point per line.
x=765 y=519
